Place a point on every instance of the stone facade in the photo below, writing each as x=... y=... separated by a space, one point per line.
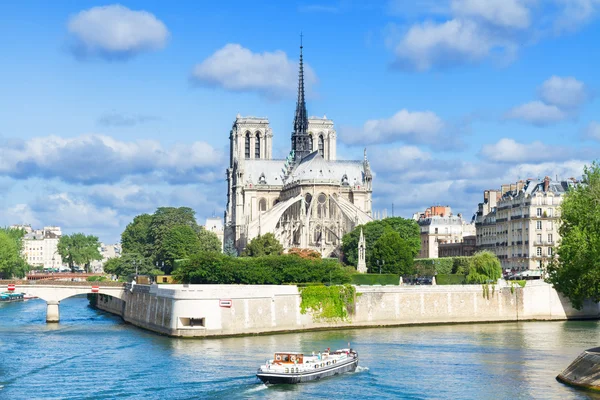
x=522 y=228
x=308 y=200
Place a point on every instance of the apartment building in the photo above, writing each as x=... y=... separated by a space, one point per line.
x=438 y=226
x=525 y=222
x=40 y=246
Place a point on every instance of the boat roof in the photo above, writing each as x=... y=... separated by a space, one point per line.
x=288 y=352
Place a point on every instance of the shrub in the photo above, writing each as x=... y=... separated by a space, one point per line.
x=446 y=279
x=96 y=278
x=431 y=266
x=216 y=268
x=485 y=267
x=375 y=279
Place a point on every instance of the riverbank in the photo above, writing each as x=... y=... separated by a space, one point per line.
x=233 y=310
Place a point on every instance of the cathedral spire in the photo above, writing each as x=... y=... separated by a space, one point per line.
x=300 y=142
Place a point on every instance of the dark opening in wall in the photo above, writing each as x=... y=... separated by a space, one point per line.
x=192 y=322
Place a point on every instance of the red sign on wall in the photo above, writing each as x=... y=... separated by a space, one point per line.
x=95 y=289
x=225 y=303
x=11 y=287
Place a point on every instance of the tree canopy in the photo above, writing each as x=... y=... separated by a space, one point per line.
x=169 y=234
x=135 y=237
x=406 y=228
x=12 y=263
x=126 y=265
x=484 y=267
x=229 y=248
x=393 y=254
x=575 y=272
x=79 y=249
x=263 y=245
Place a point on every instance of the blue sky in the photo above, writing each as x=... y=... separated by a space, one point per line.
x=110 y=110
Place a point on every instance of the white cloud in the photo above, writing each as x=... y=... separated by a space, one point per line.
x=561 y=98
x=537 y=113
x=115 y=32
x=505 y=13
x=238 y=69
x=574 y=13
x=592 y=131
x=90 y=159
x=406 y=126
x=475 y=30
x=508 y=150
x=453 y=42
x=565 y=92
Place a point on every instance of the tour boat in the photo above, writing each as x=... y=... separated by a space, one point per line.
x=8 y=296
x=298 y=368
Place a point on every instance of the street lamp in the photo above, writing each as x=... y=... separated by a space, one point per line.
x=379 y=265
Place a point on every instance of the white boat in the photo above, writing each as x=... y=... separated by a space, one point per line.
x=297 y=368
x=28 y=296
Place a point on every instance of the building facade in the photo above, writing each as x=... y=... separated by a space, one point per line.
x=107 y=251
x=522 y=230
x=40 y=246
x=466 y=248
x=215 y=225
x=439 y=226
x=308 y=200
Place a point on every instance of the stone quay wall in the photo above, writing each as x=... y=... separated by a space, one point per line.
x=224 y=310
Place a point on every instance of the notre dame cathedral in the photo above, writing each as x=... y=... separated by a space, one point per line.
x=308 y=200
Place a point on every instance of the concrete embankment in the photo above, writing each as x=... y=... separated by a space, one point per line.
x=584 y=372
x=223 y=310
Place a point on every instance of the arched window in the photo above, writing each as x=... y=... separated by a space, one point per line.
x=262 y=205
x=321 y=145
x=310 y=143
x=257 y=146
x=247 y=147
x=322 y=206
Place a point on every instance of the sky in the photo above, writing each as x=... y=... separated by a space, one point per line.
x=110 y=110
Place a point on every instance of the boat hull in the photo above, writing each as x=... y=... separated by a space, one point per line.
x=307 y=376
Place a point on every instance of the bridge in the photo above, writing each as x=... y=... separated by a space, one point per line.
x=53 y=293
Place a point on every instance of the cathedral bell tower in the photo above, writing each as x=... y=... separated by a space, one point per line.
x=300 y=138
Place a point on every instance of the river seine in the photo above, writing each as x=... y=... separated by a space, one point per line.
x=94 y=355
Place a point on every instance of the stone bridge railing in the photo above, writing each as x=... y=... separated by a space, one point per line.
x=54 y=291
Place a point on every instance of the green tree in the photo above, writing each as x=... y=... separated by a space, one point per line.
x=125 y=266
x=575 y=272
x=209 y=241
x=229 y=249
x=12 y=264
x=484 y=268
x=263 y=245
x=180 y=241
x=79 y=249
x=406 y=228
x=393 y=254
x=165 y=218
x=136 y=236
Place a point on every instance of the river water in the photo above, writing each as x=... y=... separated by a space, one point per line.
x=94 y=355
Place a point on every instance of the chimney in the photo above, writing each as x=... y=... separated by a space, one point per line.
x=546 y=183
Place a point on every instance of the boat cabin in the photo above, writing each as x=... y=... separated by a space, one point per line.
x=288 y=358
